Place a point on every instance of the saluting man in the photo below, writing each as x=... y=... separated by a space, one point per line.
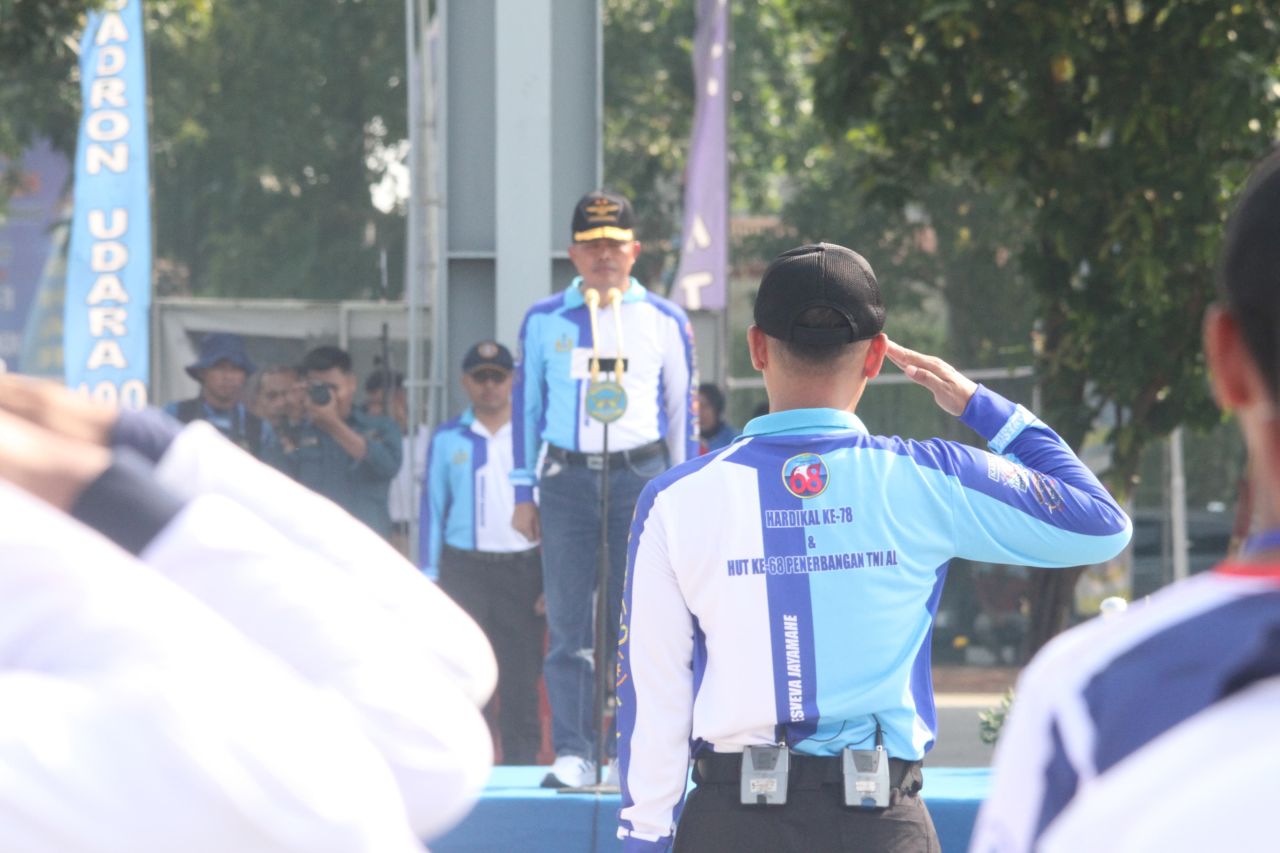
x=789 y=643
x=659 y=428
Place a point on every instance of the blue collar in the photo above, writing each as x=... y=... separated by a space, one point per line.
x=573 y=294
x=236 y=410
x=468 y=417
x=798 y=421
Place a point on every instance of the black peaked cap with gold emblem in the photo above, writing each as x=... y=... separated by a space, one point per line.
x=603 y=215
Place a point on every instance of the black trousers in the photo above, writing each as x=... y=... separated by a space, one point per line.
x=814 y=820
x=500 y=595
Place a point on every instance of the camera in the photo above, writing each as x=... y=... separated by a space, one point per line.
x=319 y=393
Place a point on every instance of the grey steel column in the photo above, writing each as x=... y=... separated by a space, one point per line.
x=523 y=159
x=520 y=108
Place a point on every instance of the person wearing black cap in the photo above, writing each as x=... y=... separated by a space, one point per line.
x=482 y=562
x=785 y=648
x=221 y=370
x=650 y=337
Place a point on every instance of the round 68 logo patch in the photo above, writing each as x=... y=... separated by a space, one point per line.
x=805 y=476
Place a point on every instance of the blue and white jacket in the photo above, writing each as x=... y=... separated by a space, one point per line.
x=807 y=607
x=551 y=379
x=467 y=499
x=1094 y=703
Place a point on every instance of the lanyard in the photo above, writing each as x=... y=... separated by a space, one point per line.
x=235 y=417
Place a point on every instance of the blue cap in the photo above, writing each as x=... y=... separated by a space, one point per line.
x=220 y=346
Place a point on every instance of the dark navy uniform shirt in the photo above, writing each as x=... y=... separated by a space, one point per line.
x=359 y=486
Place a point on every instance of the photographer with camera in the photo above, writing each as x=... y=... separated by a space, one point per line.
x=342 y=453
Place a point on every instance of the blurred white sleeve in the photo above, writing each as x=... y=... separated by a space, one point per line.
x=309 y=582
x=135 y=720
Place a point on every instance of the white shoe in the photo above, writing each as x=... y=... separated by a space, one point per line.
x=611 y=777
x=570 y=771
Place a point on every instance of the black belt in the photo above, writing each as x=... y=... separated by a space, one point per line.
x=807 y=771
x=595 y=461
x=489 y=556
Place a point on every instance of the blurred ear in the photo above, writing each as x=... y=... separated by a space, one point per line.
x=635 y=249
x=874 y=360
x=1232 y=375
x=758 y=344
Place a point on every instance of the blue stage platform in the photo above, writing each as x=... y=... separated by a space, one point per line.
x=515 y=814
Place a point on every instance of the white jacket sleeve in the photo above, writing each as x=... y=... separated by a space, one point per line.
x=655 y=688
x=309 y=582
x=135 y=720
x=679 y=389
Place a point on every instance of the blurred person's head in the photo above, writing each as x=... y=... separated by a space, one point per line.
x=331 y=367
x=377 y=401
x=817 y=336
x=221 y=369
x=279 y=398
x=1242 y=331
x=251 y=393
x=710 y=407
x=604 y=247
x=486 y=377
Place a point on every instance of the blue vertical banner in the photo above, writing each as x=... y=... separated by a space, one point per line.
x=702 y=279
x=108 y=301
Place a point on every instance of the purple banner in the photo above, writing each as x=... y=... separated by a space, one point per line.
x=26 y=240
x=702 y=279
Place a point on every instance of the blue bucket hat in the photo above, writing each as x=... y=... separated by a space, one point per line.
x=220 y=346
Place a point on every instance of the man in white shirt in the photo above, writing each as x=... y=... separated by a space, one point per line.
x=483 y=563
x=406 y=487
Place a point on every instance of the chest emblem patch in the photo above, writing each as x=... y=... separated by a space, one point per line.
x=805 y=475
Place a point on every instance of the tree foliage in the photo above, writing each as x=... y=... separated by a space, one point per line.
x=648 y=98
x=1120 y=130
x=270 y=121
x=270 y=116
x=38 y=44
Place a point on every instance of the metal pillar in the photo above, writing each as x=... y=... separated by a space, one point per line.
x=520 y=109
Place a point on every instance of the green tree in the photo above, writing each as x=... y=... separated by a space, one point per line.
x=648 y=100
x=38 y=44
x=270 y=119
x=1120 y=130
x=822 y=180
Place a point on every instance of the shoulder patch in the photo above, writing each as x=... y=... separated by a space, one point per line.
x=1008 y=473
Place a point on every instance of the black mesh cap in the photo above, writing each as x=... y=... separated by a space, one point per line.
x=820 y=274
